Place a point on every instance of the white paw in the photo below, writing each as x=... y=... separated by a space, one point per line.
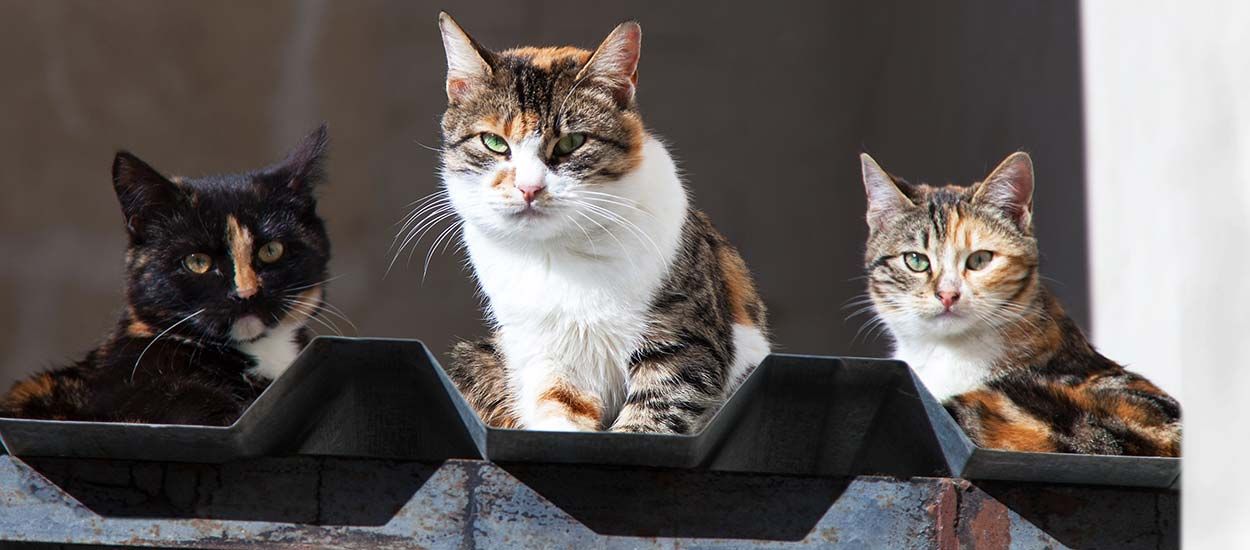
x=554 y=424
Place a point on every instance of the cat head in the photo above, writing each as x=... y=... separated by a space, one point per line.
x=951 y=261
x=532 y=134
x=227 y=257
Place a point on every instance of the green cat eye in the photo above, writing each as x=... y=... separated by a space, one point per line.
x=271 y=252
x=197 y=263
x=495 y=142
x=569 y=143
x=979 y=259
x=916 y=261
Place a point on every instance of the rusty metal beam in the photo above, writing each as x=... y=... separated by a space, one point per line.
x=299 y=502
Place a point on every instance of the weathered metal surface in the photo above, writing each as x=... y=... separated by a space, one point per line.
x=799 y=415
x=303 y=502
x=1121 y=471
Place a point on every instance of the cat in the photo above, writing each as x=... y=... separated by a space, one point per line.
x=953 y=274
x=615 y=304
x=223 y=274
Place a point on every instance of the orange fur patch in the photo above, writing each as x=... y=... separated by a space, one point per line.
x=301 y=306
x=139 y=329
x=505 y=177
x=35 y=387
x=240 y=242
x=738 y=285
x=638 y=136
x=1077 y=396
x=581 y=408
x=521 y=126
x=545 y=58
x=1006 y=426
x=1143 y=385
x=1130 y=413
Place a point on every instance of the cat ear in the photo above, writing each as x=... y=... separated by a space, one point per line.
x=615 y=62
x=141 y=190
x=468 y=63
x=885 y=199
x=302 y=167
x=1009 y=188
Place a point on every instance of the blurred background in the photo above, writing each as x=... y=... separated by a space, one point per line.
x=766 y=105
x=766 y=111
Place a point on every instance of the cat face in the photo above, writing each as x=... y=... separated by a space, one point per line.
x=223 y=258
x=532 y=134
x=951 y=261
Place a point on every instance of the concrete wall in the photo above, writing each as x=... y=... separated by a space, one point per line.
x=1169 y=172
x=765 y=105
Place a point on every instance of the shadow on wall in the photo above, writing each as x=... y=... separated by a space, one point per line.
x=766 y=111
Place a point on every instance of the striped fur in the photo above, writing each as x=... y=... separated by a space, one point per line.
x=1011 y=367
x=615 y=304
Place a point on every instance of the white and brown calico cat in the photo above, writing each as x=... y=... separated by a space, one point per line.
x=953 y=274
x=615 y=304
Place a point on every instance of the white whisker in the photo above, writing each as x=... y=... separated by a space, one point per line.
x=430 y=254
x=158 y=337
x=328 y=308
x=310 y=285
x=431 y=220
x=621 y=204
x=593 y=249
x=624 y=251
x=628 y=225
x=436 y=206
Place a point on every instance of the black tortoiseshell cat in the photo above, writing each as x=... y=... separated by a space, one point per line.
x=223 y=274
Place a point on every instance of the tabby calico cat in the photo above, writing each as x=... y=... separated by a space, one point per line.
x=615 y=304
x=953 y=273
x=223 y=274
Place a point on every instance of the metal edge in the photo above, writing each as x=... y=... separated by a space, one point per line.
x=477 y=429
x=257 y=413
x=1073 y=469
x=955 y=444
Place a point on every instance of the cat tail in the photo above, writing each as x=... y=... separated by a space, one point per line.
x=51 y=395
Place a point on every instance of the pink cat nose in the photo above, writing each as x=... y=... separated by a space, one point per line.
x=244 y=293
x=948 y=297
x=531 y=191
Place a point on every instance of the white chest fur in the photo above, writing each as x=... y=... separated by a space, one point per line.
x=949 y=367
x=273 y=351
x=575 y=308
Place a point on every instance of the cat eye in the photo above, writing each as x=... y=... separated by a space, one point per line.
x=979 y=259
x=916 y=261
x=495 y=143
x=197 y=263
x=569 y=143
x=270 y=252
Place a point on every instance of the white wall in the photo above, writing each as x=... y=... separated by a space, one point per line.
x=1167 y=87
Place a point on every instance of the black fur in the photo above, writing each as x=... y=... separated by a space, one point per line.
x=164 y=363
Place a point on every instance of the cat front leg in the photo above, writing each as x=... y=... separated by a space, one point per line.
x=551 y=402
x=478 y=371
x=671 y=387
